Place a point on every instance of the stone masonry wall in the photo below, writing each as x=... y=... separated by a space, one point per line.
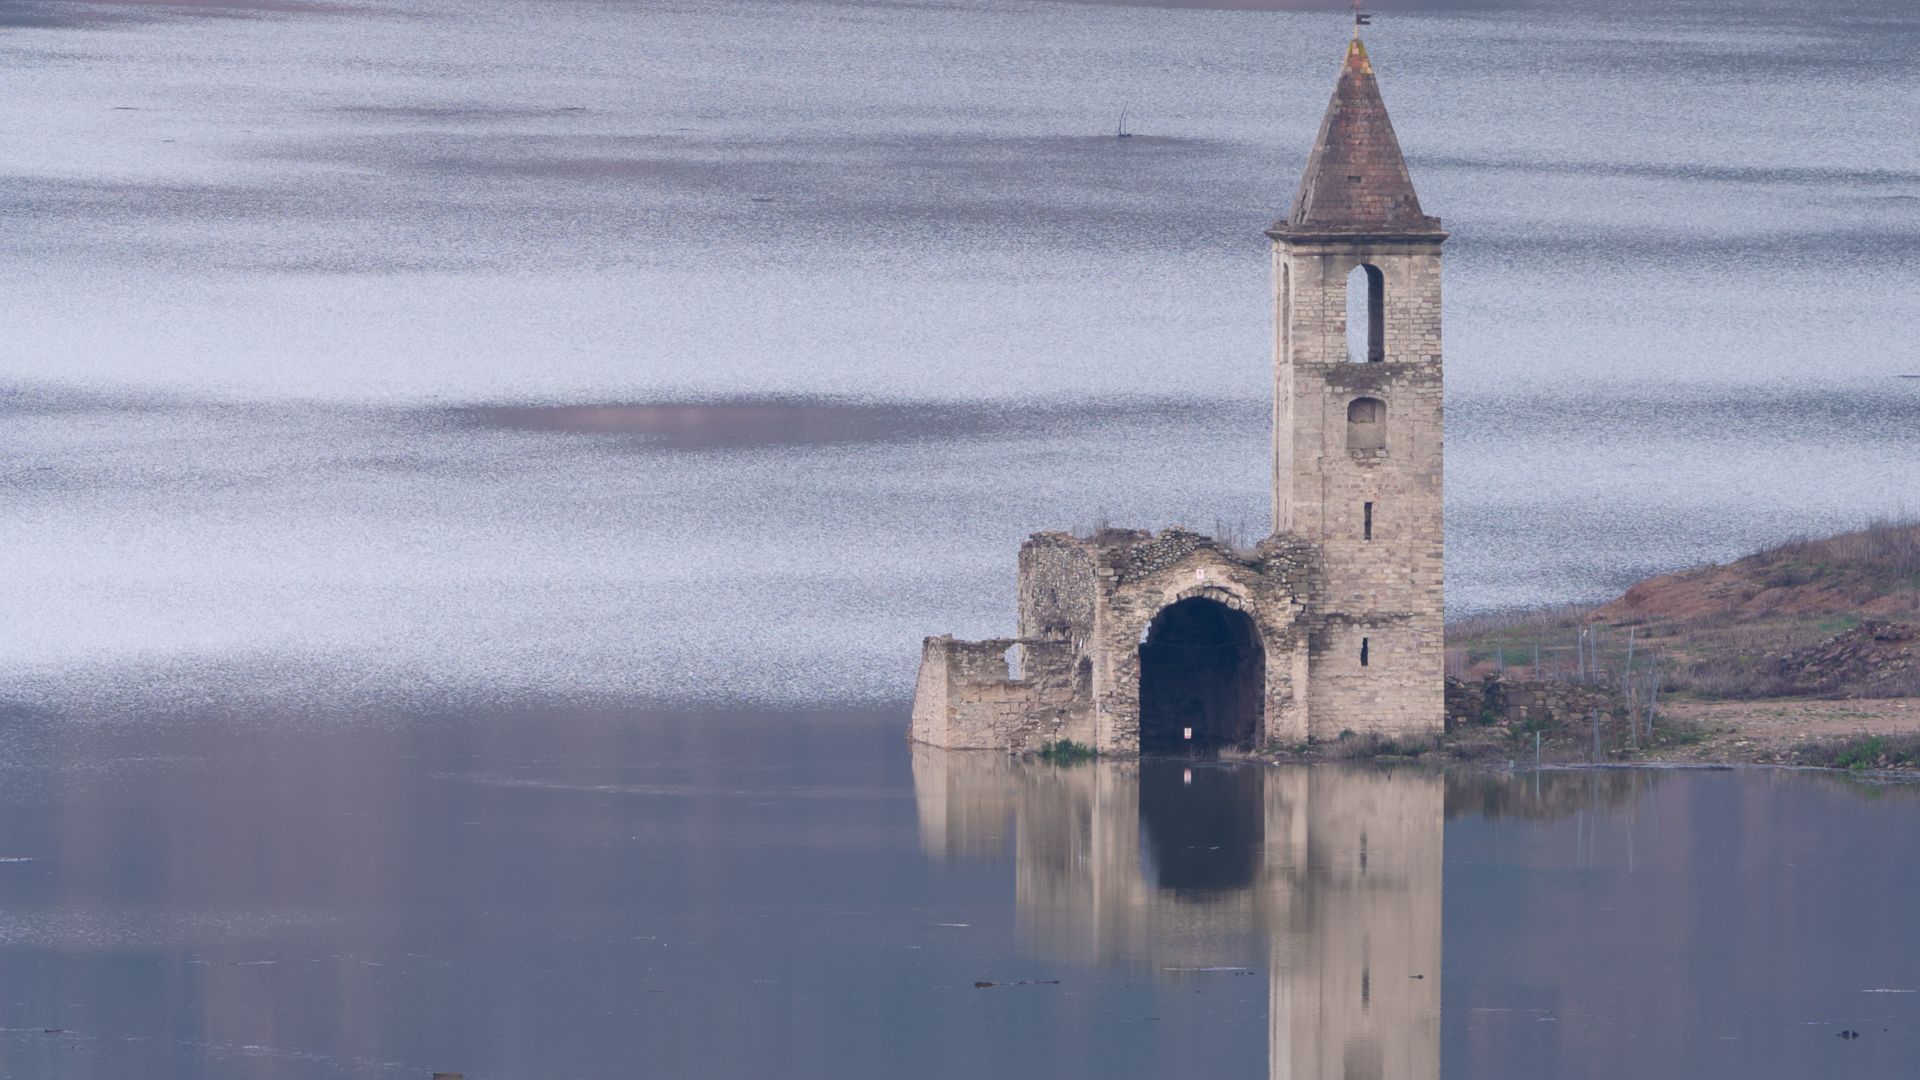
x=1383 y=589
x=1522 y=702
x=1139 y=575
x=1085 y=605
x=1057 y=588
x=966 y=697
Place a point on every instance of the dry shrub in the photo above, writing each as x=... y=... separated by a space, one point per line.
x=1885 y=544
x=1558 y=617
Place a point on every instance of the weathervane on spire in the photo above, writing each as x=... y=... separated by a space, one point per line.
x=1360 y=18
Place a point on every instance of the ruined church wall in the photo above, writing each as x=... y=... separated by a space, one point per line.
x=929 y=721
x=967 y=697
x=1139 y=578
x=1058 y=588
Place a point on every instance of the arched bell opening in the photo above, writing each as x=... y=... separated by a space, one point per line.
x=1366 y=314
x=1202 y=679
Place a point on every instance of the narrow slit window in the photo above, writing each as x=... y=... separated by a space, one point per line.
x=1363 y=652
x=1366 y=521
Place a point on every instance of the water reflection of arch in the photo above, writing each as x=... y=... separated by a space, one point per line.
x=1333 y=887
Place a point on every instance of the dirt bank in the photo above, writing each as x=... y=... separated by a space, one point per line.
x=1803 y=654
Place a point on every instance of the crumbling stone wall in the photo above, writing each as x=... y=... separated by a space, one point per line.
x=1057 y=588
x=967 y=698
x=1528 y=702
x=1086 y=605
x=1139 y=575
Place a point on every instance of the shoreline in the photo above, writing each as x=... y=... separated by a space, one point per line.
x=1867 y=737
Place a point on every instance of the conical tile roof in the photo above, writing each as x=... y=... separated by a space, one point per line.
x=1356 y=181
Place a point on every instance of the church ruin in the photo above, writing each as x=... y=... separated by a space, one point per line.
x=1131 y=642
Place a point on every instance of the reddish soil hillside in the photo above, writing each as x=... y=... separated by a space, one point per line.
x=1814 y=618
x=1873 y=572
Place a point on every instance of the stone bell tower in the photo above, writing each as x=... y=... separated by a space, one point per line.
x=1357 y=427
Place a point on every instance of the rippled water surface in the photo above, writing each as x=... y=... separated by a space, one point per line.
x=523 y=894
x=286 y=285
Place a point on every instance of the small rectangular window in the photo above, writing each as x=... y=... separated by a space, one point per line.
x=1363 y=652
x=1366 y=523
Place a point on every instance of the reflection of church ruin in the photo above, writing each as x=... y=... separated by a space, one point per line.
x=1128 y=640
x=1327 y=879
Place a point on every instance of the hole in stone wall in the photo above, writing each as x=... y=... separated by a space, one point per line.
x=1366 y=521
x=1363 y=652
x=1366 y=311
x=1016 y=662
x=1366 y=424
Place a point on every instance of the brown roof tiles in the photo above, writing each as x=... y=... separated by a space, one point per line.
x=1356 y=181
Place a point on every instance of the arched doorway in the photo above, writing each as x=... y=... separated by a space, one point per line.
x=1201 y=669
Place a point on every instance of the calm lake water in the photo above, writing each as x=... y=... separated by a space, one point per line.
x=607 y=895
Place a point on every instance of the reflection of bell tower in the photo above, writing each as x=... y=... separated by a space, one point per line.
x=1357 y=416
x=1330 y=877
x=1356 y=972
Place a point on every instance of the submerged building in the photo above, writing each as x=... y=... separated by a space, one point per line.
x=1134 y=642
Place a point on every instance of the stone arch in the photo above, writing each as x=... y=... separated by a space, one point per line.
x=1366 y=314
x=1366 y=424
x=1202 y=670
